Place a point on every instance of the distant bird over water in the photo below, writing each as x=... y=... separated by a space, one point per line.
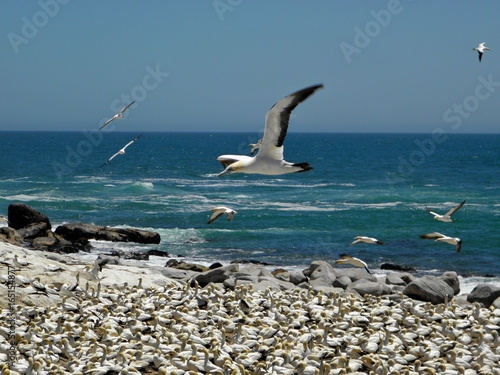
x=480 y=49
x=122 y=151
x=117 y=116
x=353 y=261
x=447 y=216
x=442 y=238
x=269 y=159
x=359 y=239
x=218 y=211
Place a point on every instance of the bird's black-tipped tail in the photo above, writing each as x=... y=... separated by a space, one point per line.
x=305 y=167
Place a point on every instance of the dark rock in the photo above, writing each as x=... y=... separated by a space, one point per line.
x=217 y=275
x=297 y=277
x=78 y=231
x=171 y=263
x=451 y=278
x=251 y=262
x=429 y=289
x=215 y=265
x=157 y=253
x=44 y=243
x=397 y=267
x=342 y=282
x=11 y=236
x=190 y=267
x=21 y=215
x=34 y=230
x=136 y=255
x=485 y=294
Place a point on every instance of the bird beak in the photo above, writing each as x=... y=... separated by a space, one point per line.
x=226 y=171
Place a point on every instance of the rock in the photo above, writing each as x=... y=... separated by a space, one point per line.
x=429 y=289
x=21 y=215
x=217 y=275
x=323 y=271
x=11 y=236
x=394 y=279
x=251 y=262
x=356 y=274
x=33 y=230
x=135 y=255
x=215 y=265
x=44 y=243
x=297 y=277
x=171 y=263
x=451 y=278
x=485 y=294
x=78 y=231
x=342 y=282
x=190 y=267
x=496 y=303
x=157 y=253
x=369 y=287
x=397 y=267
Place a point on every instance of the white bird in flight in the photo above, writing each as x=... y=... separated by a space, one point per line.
x=269 y=159
x=447 y=216
x=255 y=146
x=359 y=239
x=442 y=238
x=353 y=261
x=480 y=49
x=218 y=211
x=122 y=151
x=117 y=116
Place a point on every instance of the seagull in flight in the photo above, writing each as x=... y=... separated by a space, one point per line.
x=122 y=151
x=359 y=239
x=480 y=49
x=269 y=158
x=447 y=216
x=353 y=261
x=117 y=116
x=218 y=211
x=255 y=146
x=442 y=238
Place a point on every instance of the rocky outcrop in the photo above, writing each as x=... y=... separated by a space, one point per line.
x=78 y=231
x=10 y=235
x=21 y=215
x=429 y=289
x=485 y=294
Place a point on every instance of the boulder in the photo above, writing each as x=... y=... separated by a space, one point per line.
x=369 y=287
x=342 y=282
x=394 y=279
x=496 y=303
x=189 y=267
x=323 y=271
x=397 y=267
x=297 y=277
x=21 y=215
x=11 y=236
x=43 y=243
x=429 y=289
x=157 y=253
x=217 y=275
x=34 y=230
x=356 y=274
x=485 y=294
x=72 y=232
x=451 y=278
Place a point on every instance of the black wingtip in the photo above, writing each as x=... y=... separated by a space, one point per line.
x=305 y=167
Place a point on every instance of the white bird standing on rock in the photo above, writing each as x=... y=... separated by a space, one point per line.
x=218 y=211
x=442 y=238
x=19 y=263
x=359 y=239
x=447 y=216
x=480 y=49
x=269 y=160
x=353 y=261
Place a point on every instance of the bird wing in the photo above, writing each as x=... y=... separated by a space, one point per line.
x=215 y=216
x=355 y=242
x=125 y=108
x=107 y=122
x=459 y=246
x=480 y=56
x=226 y=160
x=277 y=119
x=132 y=141
x=230 y=215
x=110 y=159
x=454 y=209
x=431 y=236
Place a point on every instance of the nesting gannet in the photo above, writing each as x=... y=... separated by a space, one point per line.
x=480 y=49
x=359 y=239
x=117 y=116
x=19 y=263
x=269 y=159
x=122 y=151
x=218 y=211
x=447 y=216
x=442 y=238
x=354 y=261
x=255 y=146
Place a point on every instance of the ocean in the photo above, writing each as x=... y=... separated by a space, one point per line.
x=375 y=185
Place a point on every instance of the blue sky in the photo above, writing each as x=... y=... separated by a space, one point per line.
x=387 y=66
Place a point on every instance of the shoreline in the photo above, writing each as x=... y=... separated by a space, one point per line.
x=138 y=320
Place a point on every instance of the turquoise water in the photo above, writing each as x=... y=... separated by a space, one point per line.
x=362 y=184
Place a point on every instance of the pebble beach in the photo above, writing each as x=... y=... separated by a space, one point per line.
x=147 y=320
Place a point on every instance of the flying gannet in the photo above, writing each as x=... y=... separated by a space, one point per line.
x=269 y=159
x=218 y=211
x=255 y=146
x=480 y=49
x=353 y=261
x=442 y=238
x=359 y=239
x=447 y=216
x=117 y=116
x=122 y=151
